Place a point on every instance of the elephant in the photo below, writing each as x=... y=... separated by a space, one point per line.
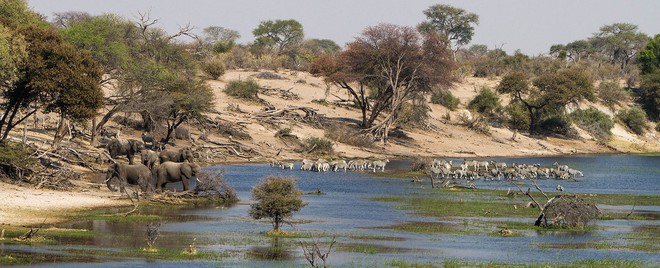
x=129 y=148
x=128 y=174
x=176 y=155
x=175 y=172
x=149 y=158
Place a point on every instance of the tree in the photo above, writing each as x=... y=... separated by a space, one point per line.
x=19 y=12
x=58 y=77
x=219 y=39
x=321 y=46
x=456 y=24
x=619 y=42
x=13 y=53
x=277 y=198
x=66 y=19
x=385 y=67
x=550 y=92
x=281 y=34
x=649 y=93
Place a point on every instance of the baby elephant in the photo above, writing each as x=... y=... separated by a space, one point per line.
x=175 y=172
x=128 y=174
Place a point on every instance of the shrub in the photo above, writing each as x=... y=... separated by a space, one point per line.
x=413 y=114
x=16 y=161
x=486 y=103
x=277 y=198
x=445 y=98
x=611 y=94
x=657 y=126
x=243 y=89
x=214 y=69
x=597 y=123
x=634 y=119
x=517 y=117
x=317 y=146
x=213 y=185
x=348 y=135
x=557 y=124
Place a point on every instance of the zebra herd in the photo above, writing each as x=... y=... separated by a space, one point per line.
x=323 y=165
x=492 y=170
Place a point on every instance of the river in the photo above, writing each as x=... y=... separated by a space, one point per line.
x=346 y=209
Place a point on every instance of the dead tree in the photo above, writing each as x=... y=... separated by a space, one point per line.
x=562 y=210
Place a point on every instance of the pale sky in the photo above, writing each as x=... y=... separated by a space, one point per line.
x=529 y=25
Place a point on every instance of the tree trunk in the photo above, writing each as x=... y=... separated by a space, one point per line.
x=93 y=140
x=59 y=133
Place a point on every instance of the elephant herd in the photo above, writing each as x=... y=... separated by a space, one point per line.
x=155 y=169
x=492 y=170
x=323 y=165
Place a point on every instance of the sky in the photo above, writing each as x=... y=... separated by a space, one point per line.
x=529 y=25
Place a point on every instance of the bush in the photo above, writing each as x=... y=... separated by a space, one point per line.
x=611 y=94
x=634 y=119
x=213 y=185
x=413 y=114
x=657 y=126
x=517 y=117
x=243 y=89
x=16 y=161
x=445 y=98
x=486 y=103
x=557 y=124
x=348 y=135
x=597 y=123
x=214 y=69
x=317 y=146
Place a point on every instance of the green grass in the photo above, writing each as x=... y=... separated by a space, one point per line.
x=156 y=254
x=368 y=248
x=404 y=264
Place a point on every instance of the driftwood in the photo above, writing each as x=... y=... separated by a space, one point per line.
x=310 y=116
x=281 y=93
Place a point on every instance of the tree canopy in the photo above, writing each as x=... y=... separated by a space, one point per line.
x=387 y=65
x=280 y=34
x=649 y=92
x=456 y=24
x=620 y=42
x=277 y=198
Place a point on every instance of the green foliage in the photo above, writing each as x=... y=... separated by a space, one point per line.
x=281 y=34
x=213 y=68
x=414 y=114
x=247 y=89
x=13 y=52
x=19 y=11
x=619 y=42
x=15 y=160
x=277 y=198
x=597 y=123
x=103 y=37
x=445 y=98
x=218 y=39
x=657 y=126
x=611 y=94
x=321 y=46
x=557 y=124
x=634 y=118
x=348 y=135
x=517 y=116
x=649 y=56
x=317 y=146
x=486 y=103
x=454 y=23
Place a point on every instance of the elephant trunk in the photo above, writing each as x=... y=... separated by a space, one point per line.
x=107 y=183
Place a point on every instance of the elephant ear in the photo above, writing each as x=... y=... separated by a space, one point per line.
x=187 y=169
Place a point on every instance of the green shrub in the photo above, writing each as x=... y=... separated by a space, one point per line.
x=15 y=160
x=611 y=94
x=317 y=146
x=445 y=98
x=597 y=123
x=557 y=124
x=486 y=103
x=214 y=69
x=657 y=126
x=243 y=89
x=517 y=117
x=634 y=119
x=413 y=114
x=348 y=135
